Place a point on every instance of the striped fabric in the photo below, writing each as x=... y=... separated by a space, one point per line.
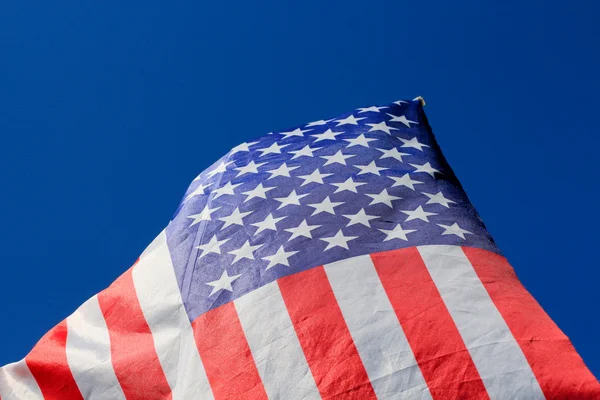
x=426 y=321
x=432 y=322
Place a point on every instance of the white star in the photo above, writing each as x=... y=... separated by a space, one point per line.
x=360 y=218
x=198 y=191
x=223 y=283
x=396 y=233
x=338 y=157
x=275 y=148
x=282 y=170
x=281 y=257
x=292 y=198
x=418 y=213
x=384 y=197
x=327 y=135
x=246 y=251
x=414 y=143
x=400 y=102
x=372 y=168
x=427 y=168
x=242 y=147
x=319 y=122
x=302 y=230
x=371 y=109
x=361 y=140
x=234 y=219
x=338 y=240
x=226 y=189
x=268 y=223
x=393 y=153
x=438 y=199
x=213 y=246
x=325 y=206
x=402 y=119
x=252 y=167
x=351 y=120
x=316 y=176
x=382 y=126
x=454 y=229
x=204 y=215
x=305 y=151
x=259 y=191
x=295 y=132
x=348 y=184
x=405 y=180
x=222 y=167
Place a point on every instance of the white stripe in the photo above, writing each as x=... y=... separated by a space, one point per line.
x=373 y=324
x=88 y=353
x=502 y=366
x=274 y=345
x=160 y=299
x=17 y=383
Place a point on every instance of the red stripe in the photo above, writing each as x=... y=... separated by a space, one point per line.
x=324 y=336
x=132 y=348
x=433 y=337
x=48 y=364
x=226 y=356
x=555 y=363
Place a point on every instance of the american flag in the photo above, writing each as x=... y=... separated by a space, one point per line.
x=336 y=260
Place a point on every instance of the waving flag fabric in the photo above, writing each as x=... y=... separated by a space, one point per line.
x=337 y=260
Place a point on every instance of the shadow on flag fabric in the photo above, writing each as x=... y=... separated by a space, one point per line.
x=337 y=260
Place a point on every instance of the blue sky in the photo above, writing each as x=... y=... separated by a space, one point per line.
x=109 y=110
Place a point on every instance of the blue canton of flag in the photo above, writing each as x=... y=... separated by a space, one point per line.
x=371 y=180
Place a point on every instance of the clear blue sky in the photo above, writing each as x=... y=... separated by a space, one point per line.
x=109 y=109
